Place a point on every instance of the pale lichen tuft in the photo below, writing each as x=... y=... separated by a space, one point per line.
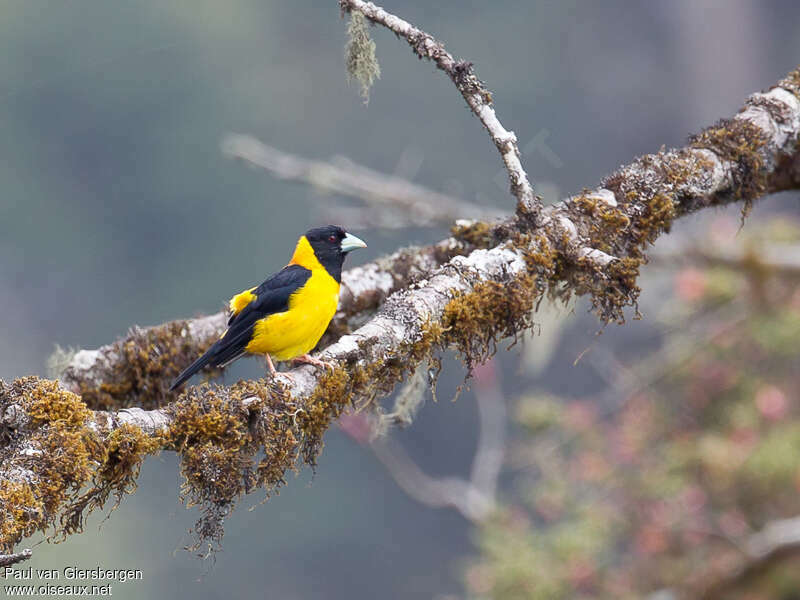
x=362 y=64
x=59 y=360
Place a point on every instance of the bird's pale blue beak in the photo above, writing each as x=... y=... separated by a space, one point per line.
x=351 y=242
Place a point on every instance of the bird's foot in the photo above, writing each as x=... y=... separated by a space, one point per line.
x=310 y=360
x=283 y=378
x=273 y=373
x=289 y=377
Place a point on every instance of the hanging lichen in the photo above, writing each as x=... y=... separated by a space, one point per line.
x=362 y=64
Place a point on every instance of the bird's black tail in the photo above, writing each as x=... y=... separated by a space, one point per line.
x=193 y=368
x=219 y=355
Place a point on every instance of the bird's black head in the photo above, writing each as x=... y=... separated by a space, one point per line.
x=330 y=245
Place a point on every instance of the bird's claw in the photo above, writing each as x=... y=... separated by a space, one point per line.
x=275 y=378
x=310 y=360
x=273 y=373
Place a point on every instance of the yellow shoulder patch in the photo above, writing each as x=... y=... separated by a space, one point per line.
x=239 y=301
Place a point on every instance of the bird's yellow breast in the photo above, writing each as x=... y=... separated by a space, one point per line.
x=295 y=332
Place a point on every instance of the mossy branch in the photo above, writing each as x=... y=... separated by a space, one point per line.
x=137 y=369
x=6 y=560
x=60 y=459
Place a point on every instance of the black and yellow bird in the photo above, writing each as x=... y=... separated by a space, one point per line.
x=284 y=317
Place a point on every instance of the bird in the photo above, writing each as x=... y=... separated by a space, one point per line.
x=285 y=316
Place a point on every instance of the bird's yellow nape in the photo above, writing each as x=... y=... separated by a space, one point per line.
x=304 y=255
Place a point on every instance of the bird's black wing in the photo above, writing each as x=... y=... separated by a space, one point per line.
x=271 y=297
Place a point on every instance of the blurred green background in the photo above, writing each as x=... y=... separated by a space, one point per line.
x=118 y=208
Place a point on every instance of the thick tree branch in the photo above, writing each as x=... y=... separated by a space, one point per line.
x=6 y=560
x=478 y=98
x=136 y=370
x=232 y=439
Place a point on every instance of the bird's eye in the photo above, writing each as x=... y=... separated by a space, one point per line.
x=332 y=238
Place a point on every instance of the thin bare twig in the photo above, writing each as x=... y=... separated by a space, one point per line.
x=781 y=260
x=473 y=90
x=436 y=492
x=474 y=498
x=391 y=201
x=492 y=417
x=776 y=542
